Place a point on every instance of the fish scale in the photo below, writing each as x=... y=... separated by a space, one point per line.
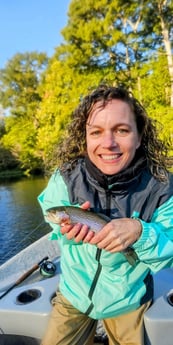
x=77 y=215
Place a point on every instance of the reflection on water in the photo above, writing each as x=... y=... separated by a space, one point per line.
x=21 y=219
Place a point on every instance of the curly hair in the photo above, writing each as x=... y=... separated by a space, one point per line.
x=74 y=145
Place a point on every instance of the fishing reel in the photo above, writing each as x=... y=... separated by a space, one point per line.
x=47 y=268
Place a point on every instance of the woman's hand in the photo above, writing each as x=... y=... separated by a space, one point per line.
x=78 y=232
x=117 y=235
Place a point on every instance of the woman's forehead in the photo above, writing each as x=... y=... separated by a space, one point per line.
x=116 y=109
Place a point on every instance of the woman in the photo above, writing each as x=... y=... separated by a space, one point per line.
x=114 y=164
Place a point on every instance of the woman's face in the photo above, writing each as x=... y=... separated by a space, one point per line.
x=112 y=137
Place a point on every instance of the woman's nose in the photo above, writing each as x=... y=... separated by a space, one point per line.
x=109 y=140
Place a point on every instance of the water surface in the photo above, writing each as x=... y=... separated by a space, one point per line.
x=21 y=219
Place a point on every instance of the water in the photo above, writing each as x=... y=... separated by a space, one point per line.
x=21 y=219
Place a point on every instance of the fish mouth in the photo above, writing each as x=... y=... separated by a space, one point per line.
x=58 y=217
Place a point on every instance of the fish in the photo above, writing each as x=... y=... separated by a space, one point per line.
x=95 y=221
x=73 y=215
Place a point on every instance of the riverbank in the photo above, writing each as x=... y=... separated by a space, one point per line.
x=18 y=174
x=13 y=174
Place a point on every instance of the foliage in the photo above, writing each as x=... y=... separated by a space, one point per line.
x=2 y=126
x=19 y=81
x=123 y=43
x=61 y=93
x=7 y=160
x=19 y=93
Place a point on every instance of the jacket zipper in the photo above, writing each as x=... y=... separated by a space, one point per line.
x=99 y=267
x=94 y=282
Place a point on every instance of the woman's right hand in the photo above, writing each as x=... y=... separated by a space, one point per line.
x=78 y=232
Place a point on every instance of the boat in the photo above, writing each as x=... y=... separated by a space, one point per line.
x=29 y=280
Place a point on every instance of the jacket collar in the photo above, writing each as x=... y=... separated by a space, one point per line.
x=124 y=177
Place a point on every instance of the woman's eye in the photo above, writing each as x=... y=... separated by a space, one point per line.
x=95 y=133
x=122 y=131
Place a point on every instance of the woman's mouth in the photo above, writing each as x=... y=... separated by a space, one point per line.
x=110 y=157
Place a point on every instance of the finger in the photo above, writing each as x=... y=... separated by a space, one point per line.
x=106 y=239
x=81 y=234
x=65 y=229
x=89 y=236
x=86 y=205
x=98 y=237
x=74 y=231
x=114 y=246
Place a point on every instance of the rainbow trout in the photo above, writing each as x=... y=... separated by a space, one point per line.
x=73 y=215
x=95 y=221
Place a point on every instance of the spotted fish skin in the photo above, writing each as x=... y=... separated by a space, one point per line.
x=73 y=215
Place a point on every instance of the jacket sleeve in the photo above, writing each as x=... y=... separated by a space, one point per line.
x=55 y=194
x=155 y=245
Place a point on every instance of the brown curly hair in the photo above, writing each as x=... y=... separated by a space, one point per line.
x=74 y=145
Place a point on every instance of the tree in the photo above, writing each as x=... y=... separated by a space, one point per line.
x=19 y=93
x=118 y=34
x=104 y=40
x=61 y=92
x=161 y=25
x=19 y=81
x=125 y=43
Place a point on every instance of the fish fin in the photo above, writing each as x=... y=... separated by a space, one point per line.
x=131 y=256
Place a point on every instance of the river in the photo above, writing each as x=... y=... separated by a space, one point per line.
x=21 y=219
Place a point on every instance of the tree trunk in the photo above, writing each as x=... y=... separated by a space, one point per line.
x=167 y=43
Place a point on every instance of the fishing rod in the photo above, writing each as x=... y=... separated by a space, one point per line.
x=24 y=276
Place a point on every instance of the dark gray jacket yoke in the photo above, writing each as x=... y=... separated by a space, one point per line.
x=136 y=191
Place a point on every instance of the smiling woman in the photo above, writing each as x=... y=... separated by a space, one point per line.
x=112 y=136
x=112 y=163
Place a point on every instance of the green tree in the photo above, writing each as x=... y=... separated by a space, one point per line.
x=61 y=92
x=19 y=82
x=127 y=43
x=104 y=40
x=157 y=18
x=118 y=34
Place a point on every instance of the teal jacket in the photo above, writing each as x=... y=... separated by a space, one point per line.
x=96 y=282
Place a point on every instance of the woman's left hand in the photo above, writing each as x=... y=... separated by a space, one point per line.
x=117 y=235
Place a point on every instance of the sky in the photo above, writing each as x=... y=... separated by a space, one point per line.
x=31 y=25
